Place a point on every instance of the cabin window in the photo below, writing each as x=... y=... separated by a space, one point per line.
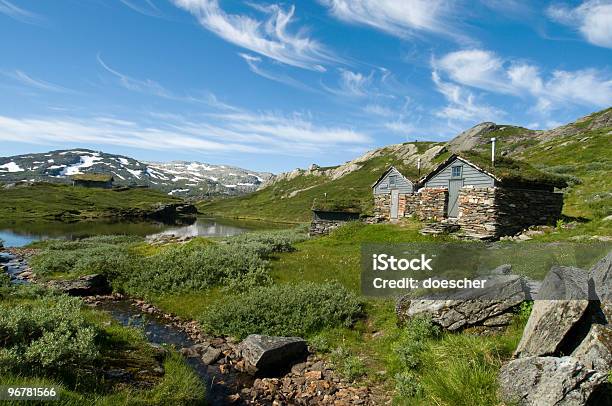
x=392 y=181
x=456 y=171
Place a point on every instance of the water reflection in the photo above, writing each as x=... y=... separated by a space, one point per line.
x=20 y=234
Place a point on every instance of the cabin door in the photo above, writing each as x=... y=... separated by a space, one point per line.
x=394 y=204
x=453 y=197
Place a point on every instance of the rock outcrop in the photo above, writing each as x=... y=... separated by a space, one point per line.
x=552 y=381
x=88 y=285
x=267 y=354
x=490 y=307
x=595 y=351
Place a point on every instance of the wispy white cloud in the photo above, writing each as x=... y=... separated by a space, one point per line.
x=462 y=104
x=27 y=80
x=151 y=87
x=240 y=131
x=17 y=13
x=401 y=18
x=484 y=70
x=593 y=18
x=144 y=7
x=269 y=37
x=254 y=62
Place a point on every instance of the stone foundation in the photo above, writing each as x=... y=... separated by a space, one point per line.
x=323 y=227
x=431 y=204
x=498 y=211
x=382 y=207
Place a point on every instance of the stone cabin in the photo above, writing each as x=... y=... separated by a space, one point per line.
x=330 y=214
x=93 y=180
x=484 y=201
x=391 y=193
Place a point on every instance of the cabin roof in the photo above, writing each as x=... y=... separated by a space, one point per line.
x=93 y=177
x=507 y=171
x=389 y=169
x=337 y=205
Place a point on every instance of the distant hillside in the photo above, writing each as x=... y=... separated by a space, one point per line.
x=186 y=179
x=579 y=151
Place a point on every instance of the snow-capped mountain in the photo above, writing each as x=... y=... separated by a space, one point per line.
x=176 y=178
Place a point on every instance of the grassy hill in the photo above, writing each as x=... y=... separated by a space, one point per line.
x=580 y=151
x=62 y=202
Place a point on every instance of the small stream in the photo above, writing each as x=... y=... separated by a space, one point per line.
x=157 y=331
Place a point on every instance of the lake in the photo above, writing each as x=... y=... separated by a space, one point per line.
x=22 y=233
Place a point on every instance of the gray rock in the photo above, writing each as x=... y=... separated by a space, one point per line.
x=89 y=285
x=595 y=351
x=601 y=274
x=565 y=283
x=504 y=269
x=552 y=381
x=468 y=308
x=272 y=354
x=548 y=328
x=211 y=355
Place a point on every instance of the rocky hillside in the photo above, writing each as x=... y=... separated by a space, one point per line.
x=580 y=151
x=175 y=178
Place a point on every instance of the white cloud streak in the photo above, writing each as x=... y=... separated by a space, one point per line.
x=484 y=70
x=401 y=18
x=462 y=105
x=269 y=37
x=29 y=81
x=593 y=19
x=254 y=63
x=240 y=131
x=17 y=13
x=145 y=7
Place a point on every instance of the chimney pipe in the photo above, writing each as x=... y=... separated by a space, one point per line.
x=493 y=151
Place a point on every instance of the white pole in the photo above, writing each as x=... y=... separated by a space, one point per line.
x=493 y=151
x=419 y=166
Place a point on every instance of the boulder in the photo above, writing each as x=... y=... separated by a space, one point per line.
x=595 y=351
x=552 y=381
x=89 y=285
x=601 y=274
x=550 y=327
x=270 y=354
x=565 y=283
x=211 y=355
x=469 y=308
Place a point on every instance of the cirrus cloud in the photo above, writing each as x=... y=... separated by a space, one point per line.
x=270 y=37
x=593 y=18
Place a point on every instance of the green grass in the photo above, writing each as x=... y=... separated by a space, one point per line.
x=61 y=202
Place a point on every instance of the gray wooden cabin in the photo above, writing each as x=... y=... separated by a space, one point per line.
x=454 y=174
x=393 y=183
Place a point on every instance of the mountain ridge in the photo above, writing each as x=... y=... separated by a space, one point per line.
x=178 y=178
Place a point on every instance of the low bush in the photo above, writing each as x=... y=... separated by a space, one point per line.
x=413 y=341
x=347 y=364
x=47 y=334
x=274 y=241
x=284 y=310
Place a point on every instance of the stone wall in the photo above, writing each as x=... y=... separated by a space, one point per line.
x=498 y=211
x=431 y=204
x=382 y=207
x=519 y=208
x=477 y=214
x=323 y=227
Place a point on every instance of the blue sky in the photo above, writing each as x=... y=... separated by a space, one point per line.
x=273 y=86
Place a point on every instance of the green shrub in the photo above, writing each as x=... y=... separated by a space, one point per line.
x=184 y=268
x=275 y=241
x=413 y=341
x=348 y=365
x=407 y=385
x=284 y=310
x=47 y=334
